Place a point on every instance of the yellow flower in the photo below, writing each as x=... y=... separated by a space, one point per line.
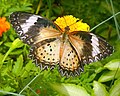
x=74 y=23
x=4 y=25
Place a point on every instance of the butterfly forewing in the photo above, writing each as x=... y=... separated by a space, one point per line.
x=93 y=48
x=29 y=26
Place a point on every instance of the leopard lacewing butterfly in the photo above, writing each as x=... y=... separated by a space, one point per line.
x=51 y=47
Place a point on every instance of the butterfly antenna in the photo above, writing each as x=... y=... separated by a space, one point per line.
x=68 y=26
x=74 y=23
x=71 y=24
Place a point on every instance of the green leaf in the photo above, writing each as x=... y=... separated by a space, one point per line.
x=99 y=89
x=69 y=90
x=29 y=66
x=107 y=76
x=17 y=68
x=115 y=90
x=113 y=65
x=8 y=44
x=16 y=52
x=8 y=67
x=17 y=43
x=8 y=88
x=1 y=58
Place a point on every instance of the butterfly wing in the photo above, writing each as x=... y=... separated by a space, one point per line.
x=47 y=53
x=41 y=34
x=90 y=47
x=30 y=27
x=69 y=61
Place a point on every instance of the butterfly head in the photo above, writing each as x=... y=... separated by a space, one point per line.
x=67 y=29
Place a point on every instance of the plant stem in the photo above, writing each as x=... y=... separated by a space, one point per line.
x=104 y=21
x=38 y=8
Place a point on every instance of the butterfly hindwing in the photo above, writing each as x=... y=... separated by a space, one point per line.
x=47 y=54
x=69 y=62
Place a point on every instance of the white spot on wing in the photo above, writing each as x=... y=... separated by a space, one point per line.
x=29 y=22
x=95 y=44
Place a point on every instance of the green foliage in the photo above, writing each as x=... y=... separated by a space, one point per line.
x=20 y=76
x=7 y=6
x=114 y=91
x=99 y=89
x=70 y=90
x=113 y=73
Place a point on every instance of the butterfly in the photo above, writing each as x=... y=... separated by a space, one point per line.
x=51 y=47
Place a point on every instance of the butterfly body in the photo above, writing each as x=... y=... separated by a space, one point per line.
x=51 y=46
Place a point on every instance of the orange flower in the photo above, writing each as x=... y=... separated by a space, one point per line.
x=4 y=25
